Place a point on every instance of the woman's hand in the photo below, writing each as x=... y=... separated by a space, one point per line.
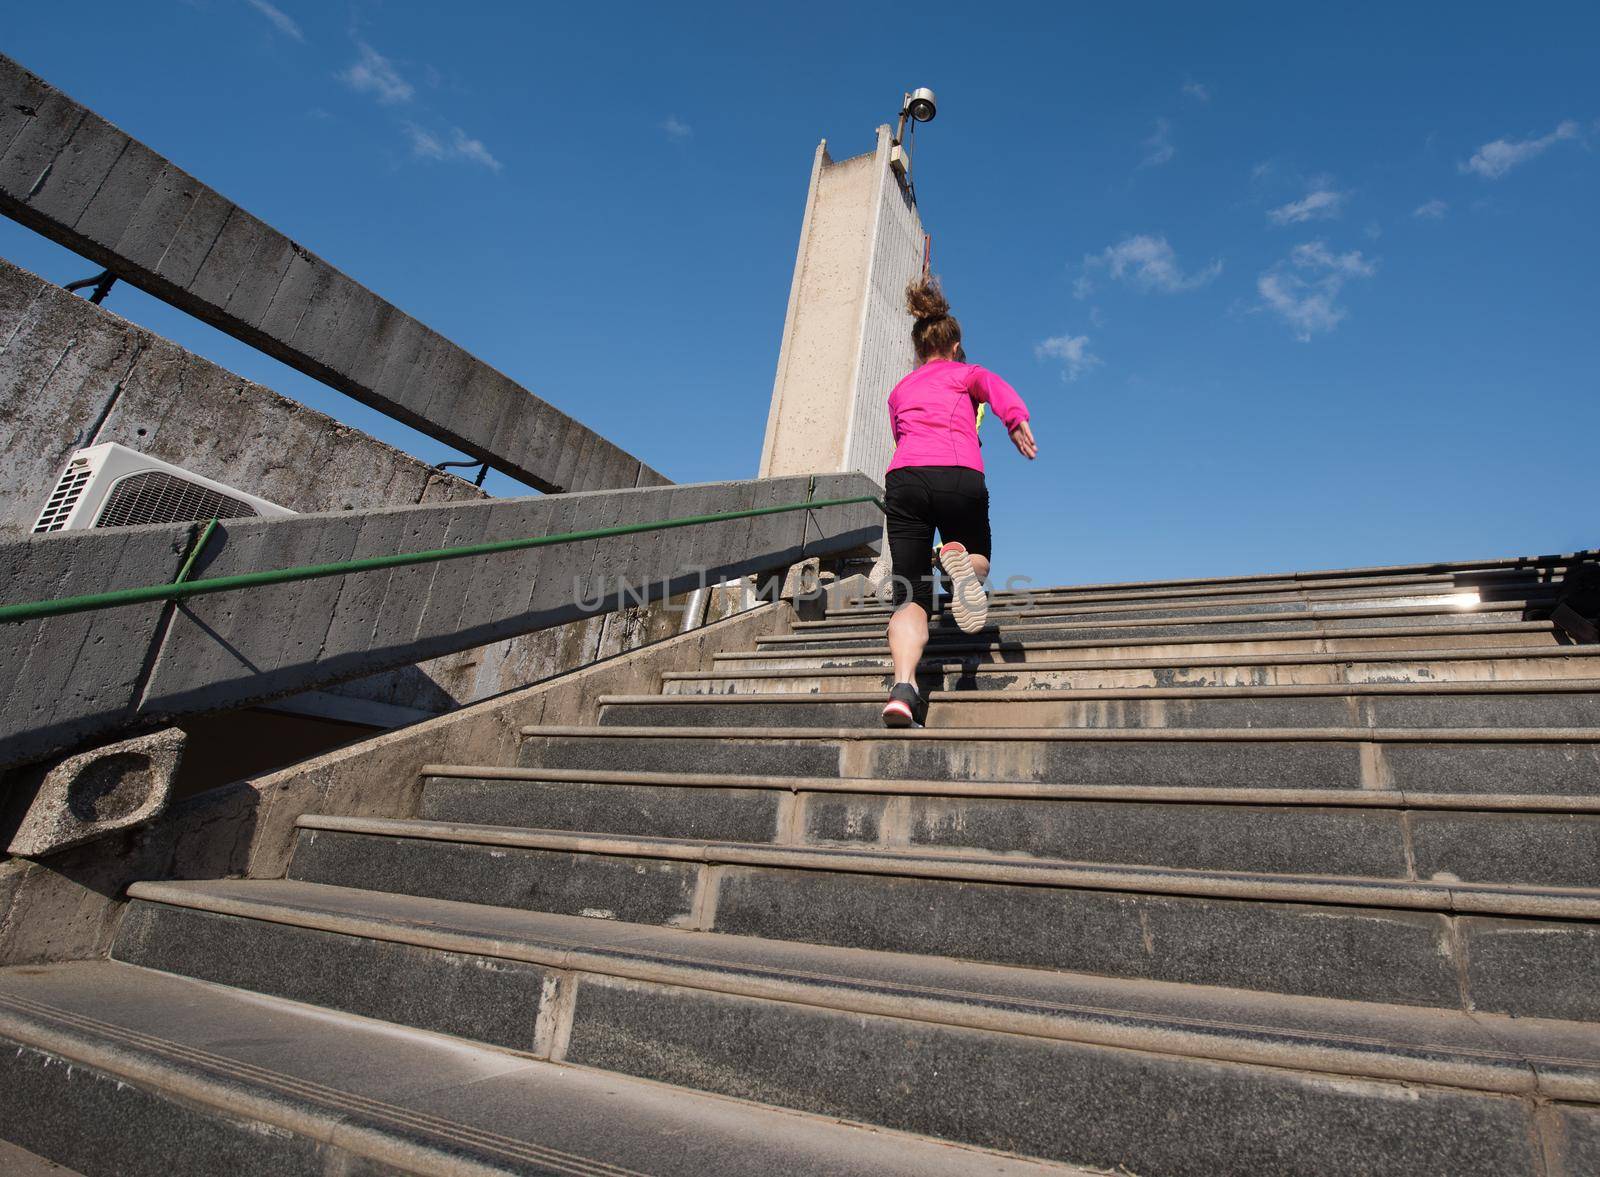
x=1022 y=438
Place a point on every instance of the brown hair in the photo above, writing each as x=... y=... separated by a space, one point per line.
x=936 y=333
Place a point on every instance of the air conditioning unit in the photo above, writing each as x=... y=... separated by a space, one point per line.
x=112 y=486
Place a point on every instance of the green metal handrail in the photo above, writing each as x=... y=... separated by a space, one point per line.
x=183 y=587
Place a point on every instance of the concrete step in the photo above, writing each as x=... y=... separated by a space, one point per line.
x=1476 y=665
x=1296 y=1086
x=1319 y=638
x=1009 y=612
x=121 y=1070
x=1527 y=951
x=19 y=1162
x=1459 y=575
x=1517 y=839
x=483 y=778
x=1203 y=626
x=1543 y=761
x=1559 y=703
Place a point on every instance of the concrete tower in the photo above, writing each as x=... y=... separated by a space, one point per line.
x=846 y=337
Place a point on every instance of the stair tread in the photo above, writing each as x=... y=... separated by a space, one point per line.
x=1375 y=603
x=1557 y=1059
x=19 y=1162
x=1030 y=790
x=1495 y=616
x=424 y=1102
x=1294 y=658
x=1019 y=645
x=1266 y=691
x=1532 y=565
x=967 y=865
x=1440 y=735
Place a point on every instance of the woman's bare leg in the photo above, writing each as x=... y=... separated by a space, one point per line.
x=908 y=631
x=908 y=637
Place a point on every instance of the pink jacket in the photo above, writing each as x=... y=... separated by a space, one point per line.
x=934 y=410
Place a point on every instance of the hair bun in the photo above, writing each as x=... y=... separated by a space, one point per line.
x=925 y=299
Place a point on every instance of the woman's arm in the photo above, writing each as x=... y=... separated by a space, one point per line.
x=985 y=386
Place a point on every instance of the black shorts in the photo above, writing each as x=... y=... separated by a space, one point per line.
x=954 y=500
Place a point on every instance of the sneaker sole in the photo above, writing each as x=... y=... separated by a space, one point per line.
x=968 y=602
x=898 y=714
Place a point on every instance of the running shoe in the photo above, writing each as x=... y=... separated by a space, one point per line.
x=906 y=707
x=968 y=601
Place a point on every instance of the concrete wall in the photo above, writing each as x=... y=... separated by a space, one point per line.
x=884 y=353
x=84 y=676
x=67 y=909
x=70 y=175
x=846 y=336
x=73 y=374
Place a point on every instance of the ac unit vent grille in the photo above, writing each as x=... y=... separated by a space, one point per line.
x=63 y=498
x=155 y=496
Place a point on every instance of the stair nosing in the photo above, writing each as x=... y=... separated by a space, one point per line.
x=1397 y=631
x=1303 y=658
x=1353 y=798
x=1162 y=622
x=1249 y=735
x=1357 y=605
x=1375 y=573
x=1547 y=686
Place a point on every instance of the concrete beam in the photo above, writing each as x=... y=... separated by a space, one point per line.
x=85 y=675
x=68 y=174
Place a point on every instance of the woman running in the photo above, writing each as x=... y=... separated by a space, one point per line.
x=935 y=482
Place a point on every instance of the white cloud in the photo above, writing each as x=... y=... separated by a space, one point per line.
x=1493 y=160
x=1199 y=91
x=424 y=143
x=463 y=147
x=1073 y=352
x=1158 y=149
x=427 y=145
x=373 y=73
x=1318 y=205
x=281 y=20
x=676 y=128
x=1304 y=290
x=1433 y=210
x=1314 y=255
x=1145 y=263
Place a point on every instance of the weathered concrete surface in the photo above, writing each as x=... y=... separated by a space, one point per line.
x=69 y=174
x=73 y=374
x=231 y=649
x=160 y=1076
x=464 y=994
x=1118 y=1110
x=846 y=336
x=96 y=793
x=67 y=909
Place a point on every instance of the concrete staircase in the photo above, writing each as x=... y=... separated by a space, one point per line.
x=1277 y=875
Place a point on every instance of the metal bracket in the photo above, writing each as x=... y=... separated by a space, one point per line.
x=102 y=283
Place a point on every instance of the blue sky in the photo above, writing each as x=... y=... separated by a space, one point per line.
x=1285 y=286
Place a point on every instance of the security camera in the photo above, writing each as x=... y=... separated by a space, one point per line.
x=922 y=105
